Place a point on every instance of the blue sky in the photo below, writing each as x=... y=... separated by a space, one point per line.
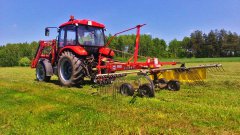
x=25 y=20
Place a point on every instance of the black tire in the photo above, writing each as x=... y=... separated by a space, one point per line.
x=146 y=90
x=70 y=69
x=41 y=72
x=173 y=85
x=162 y=81
x=126 y=89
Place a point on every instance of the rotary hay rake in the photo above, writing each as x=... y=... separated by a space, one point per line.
x=144 y=83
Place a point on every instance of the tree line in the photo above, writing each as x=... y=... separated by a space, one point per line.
x=216 y=43
x=17 y=54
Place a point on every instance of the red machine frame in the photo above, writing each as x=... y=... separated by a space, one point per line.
x=111 y=66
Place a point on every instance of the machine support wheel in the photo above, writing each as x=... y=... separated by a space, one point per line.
x=41 y=72
x=162 y=81
x=126 y=89
x=146 y=90
x=70 y=69
x=173 y=85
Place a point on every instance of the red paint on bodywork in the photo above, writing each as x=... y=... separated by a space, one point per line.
x=106 y=51
x=83 y=22
x=76 y=49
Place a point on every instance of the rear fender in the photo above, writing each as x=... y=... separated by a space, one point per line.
x=106 y=51
x=76 y=49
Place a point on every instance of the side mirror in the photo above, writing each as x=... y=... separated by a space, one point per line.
x=46 y=31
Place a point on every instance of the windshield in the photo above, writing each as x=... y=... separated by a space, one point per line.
x=90 y=36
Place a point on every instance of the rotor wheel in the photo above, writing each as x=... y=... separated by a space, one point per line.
x=70 y=69
x=162 y=81
x=41 y=72
x=173 y=85
x=146 y=90
x=127 y=89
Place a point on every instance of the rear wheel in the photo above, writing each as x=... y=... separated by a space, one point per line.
x=41 y=72
x=70 y=70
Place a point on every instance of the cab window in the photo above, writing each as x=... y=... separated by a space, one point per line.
x=67 y=36
x=90 y=36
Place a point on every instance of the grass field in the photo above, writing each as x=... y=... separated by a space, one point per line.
x=31 y=107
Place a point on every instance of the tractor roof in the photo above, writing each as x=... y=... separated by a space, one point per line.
x=83 y=22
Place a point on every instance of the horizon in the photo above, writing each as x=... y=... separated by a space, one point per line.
x=168 y=20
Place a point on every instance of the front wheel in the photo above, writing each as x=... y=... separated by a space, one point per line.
x=41 y=72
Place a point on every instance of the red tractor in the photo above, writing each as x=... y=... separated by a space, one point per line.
x=75 y=53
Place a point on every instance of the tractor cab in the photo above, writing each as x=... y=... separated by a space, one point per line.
x=81 y=32
x=85 y=35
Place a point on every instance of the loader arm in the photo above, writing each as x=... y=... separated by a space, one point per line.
x=39 y=53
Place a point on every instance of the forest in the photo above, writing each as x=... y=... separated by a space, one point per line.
x=216 y=43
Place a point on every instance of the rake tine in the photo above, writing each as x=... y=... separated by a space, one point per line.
x=187 y=78
x=214 y=69
x=193 y=77
x=179 y=72
x=222 y=69
x=199 y=80
x=207 y=70
x=219 y=69
x=191 y=83
x=210 y=69
x=114 y=88
x=196 y=78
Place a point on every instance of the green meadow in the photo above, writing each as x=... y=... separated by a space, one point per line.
x=31 y=107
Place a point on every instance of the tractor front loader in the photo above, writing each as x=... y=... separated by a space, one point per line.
x=80 y=52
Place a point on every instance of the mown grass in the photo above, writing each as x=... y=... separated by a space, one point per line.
x=31 y=107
